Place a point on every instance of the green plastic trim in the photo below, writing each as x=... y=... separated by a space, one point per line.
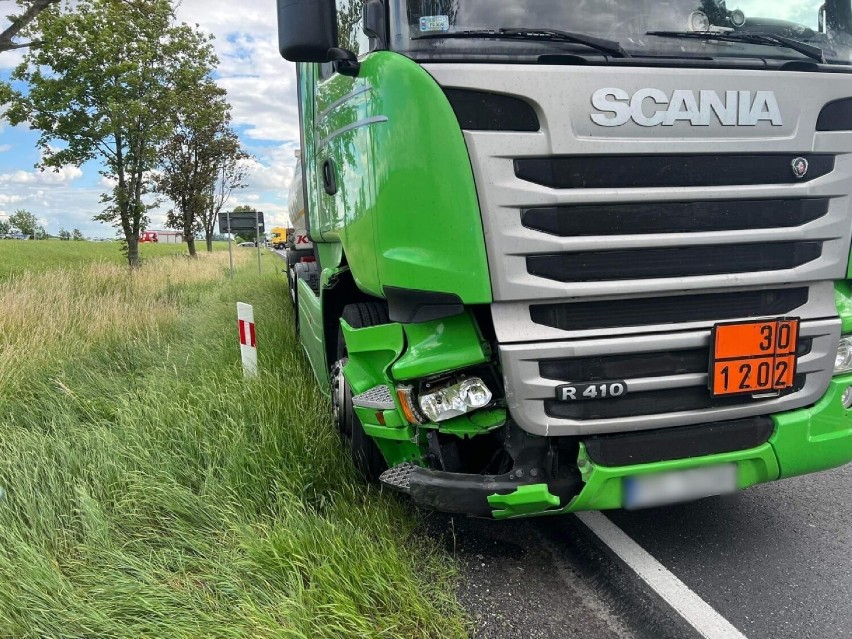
x=816 y=438
x=384 y=432
x=372 y=351
x=398 y=452
x=604 y=488
x=393 y=418
x=398 y=445
x=440 y=346
x=525 y=501
x=396 y=433
x=330 y=257
x=312 y=333
x=474 y=424
x=843 y=299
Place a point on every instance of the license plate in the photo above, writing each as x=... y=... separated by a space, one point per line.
x=659 y=489
x=753 y=357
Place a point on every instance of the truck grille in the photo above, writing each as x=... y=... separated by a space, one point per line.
x=650 y=403
x=597 y=266
x=673 y=217
x=581 y=316
x=642 y=171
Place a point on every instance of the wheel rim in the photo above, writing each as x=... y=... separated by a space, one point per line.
x=338 y=399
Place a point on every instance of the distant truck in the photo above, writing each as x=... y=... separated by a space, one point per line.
x=278 y=237
x=300 y=249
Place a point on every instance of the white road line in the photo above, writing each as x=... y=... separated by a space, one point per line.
x=697 y=612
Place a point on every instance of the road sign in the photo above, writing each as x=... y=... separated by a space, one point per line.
x=243 y=221
x=231 y=223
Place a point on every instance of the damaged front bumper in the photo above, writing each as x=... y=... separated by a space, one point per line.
x=553 y=475
x=559 y=475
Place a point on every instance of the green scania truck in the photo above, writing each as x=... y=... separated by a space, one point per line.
x=577 y=255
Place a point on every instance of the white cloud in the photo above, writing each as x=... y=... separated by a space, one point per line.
x=272 y=170
x=6 y=198
x=62 y=175
x=261 y=85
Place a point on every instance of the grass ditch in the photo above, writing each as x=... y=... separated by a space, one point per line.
x=149 y=491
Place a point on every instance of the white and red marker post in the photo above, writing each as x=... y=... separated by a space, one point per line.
x=248 y=339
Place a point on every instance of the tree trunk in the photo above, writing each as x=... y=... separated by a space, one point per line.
x=209 y=238
x=190 y=244
x=133 y=252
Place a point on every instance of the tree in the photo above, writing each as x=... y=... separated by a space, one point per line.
x=5 y=228
x=103 y=84
x=230 y=176
x=190 y=158
x=24 y=221
x=19 y=23
x=76 y=235
x=64 y=234
x=40 y=233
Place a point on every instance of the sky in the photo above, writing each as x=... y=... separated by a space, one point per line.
x=261 y=88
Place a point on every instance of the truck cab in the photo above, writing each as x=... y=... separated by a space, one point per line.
x=278 y=238
x=572 y=256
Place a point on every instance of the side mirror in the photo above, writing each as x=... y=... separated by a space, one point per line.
x=307 y=29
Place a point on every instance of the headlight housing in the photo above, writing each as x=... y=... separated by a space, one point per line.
x=843 y=359
x=457 y=399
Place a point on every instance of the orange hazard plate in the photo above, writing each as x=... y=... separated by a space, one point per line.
x=753 y=357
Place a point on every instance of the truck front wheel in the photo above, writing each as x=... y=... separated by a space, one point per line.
x=365 y=454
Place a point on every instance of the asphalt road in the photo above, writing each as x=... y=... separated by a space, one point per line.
x=775 y=561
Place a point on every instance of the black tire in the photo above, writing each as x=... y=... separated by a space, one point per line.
x=365 y=453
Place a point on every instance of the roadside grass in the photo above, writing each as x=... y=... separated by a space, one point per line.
x=17 y=256
x=150 y=491
x=55 y=315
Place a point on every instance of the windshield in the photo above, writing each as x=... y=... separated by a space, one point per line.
x=697 y=28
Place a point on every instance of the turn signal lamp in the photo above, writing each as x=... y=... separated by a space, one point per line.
x=843 y=360
x=406 y=401
x=455 y=400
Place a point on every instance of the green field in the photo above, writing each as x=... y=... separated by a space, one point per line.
x=148 y=490
x=17 y=256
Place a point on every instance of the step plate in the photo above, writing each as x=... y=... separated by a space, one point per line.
x=378 y=397
x=399 y=477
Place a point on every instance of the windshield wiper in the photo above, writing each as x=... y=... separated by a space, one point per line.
x=610 y=47
x=769 y=39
